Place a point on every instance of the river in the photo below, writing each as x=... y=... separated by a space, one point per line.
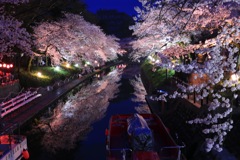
x=75 y=130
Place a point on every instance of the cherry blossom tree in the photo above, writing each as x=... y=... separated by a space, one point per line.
x=73 y=39
x=168 y=26
x=218 y=70
x=13 y=36
x=165 y=26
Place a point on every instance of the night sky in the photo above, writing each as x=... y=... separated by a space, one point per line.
x=126 y=6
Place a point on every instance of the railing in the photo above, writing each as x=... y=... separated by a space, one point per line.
x=13 y=100
x=11 y=105
x=192 y=97
x=180 y=81
x=16 y=100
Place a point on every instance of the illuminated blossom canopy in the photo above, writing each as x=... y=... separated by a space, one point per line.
x=73 y=39
x=164 y=25
x=173 y=28
x=13 y=36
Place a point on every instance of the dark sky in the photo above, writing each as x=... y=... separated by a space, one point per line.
x=126 y=6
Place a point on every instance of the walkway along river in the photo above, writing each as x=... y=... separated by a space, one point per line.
x=75 y=129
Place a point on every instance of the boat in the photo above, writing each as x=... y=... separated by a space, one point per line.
x=13 y=147
x=139 y=137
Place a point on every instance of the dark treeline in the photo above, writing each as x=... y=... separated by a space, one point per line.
x=36 y=11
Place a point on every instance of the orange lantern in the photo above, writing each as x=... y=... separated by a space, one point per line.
x=25 y=154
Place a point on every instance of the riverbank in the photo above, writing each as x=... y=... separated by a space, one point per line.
x=49 y=95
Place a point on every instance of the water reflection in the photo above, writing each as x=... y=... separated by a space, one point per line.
x=139 y=95
x=93 y=146
x=72 y=120
x=76 y=127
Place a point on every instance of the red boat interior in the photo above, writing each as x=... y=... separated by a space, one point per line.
x=118 y=140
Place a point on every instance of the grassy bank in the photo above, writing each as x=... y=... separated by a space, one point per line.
x=44 y=76
x=155 y=77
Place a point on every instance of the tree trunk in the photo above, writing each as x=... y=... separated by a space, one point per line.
x=46 y=60
x=29 y=64
x=17 y=62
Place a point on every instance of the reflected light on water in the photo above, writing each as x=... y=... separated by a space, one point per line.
x=139 y=95
x=71 y=120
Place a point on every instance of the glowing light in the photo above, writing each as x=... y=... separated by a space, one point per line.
x=39 y=74
x=6 y=65
x=76 y=65
x=151 y=58
x=234 y=77
x=88 y=63
x=209 y=57
x=67 y=65
x=57 y=68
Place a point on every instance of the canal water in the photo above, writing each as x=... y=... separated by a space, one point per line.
x=117 y=96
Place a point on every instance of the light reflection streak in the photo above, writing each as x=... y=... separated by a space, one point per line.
x=139 y=93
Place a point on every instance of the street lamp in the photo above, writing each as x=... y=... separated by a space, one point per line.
x=57 y=68
x=234 y=77
x=39 y=74
x=67 y=65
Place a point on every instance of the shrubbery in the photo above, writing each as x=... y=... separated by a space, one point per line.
x=157 y=75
